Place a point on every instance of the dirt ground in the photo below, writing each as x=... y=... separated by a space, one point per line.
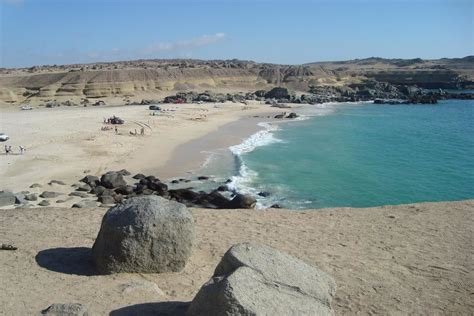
x=398 y=260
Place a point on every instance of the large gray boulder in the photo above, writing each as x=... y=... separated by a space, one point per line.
x=7 y=198
x=254 y=279
x=144 y=234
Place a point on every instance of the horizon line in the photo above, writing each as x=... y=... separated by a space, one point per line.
x=231 y=59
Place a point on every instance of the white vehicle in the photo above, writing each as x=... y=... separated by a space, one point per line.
x=26 y=107
x=4 y=137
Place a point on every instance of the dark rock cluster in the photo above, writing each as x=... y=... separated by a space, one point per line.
x=368 y=90
x=111 y=188
x=208 y=96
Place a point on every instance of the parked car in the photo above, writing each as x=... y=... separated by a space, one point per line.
x=4 y=137
x=154 y=108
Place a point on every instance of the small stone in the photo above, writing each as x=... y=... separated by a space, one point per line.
x=139 y=176
x=74 y=309
x=49 y=194
x=7 y=198
x=31 y=197
x=44 y=203
x=79 y=194
x=59 y=182
x=91 y=180
x=84 y=188
x=20 y=198
x=222 y=188
x=106 y=199
x=84 y=204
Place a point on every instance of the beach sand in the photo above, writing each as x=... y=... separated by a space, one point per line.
x=397 y=260
x=65 y=143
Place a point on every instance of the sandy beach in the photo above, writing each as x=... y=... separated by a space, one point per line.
x=390 y=260
x=64 y=143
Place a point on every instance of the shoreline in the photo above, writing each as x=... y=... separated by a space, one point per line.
x=67 y=143
x=190 y=157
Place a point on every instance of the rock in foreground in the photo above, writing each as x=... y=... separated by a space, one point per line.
x=145 y=234
x=258 y=280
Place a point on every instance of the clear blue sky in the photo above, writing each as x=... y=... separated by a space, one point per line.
x=36 y=32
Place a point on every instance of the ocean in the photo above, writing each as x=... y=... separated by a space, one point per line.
x=356 y=155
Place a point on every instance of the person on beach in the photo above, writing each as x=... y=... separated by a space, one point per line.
x=6 y=150
x=142 y=131
x=116 y=130
x=22 y=149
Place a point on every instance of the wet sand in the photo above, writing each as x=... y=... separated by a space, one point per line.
x=190 y=157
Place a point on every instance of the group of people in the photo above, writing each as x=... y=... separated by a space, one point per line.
x=9 y=150
x=142 y=132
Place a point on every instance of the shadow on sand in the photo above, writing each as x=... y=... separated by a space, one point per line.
x=162 y=309
x=76 y=260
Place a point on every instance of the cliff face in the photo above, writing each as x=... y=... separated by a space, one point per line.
x=122 y=82
x=128 y=79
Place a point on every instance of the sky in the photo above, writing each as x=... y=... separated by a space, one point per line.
x=40 y=32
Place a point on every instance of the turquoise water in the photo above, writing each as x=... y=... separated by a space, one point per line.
x=365 y=155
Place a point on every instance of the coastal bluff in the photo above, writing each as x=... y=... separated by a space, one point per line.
x=414 y=258
x=156 y=78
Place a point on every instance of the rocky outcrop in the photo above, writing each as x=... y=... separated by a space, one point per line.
x=278 y=93
x=253 y=279
x=132 y=78
x=144 y=234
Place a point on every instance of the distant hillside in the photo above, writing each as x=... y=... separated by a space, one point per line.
x=160 y=77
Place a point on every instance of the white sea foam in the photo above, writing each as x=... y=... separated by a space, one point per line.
x=242 y=182
x=261 y=138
